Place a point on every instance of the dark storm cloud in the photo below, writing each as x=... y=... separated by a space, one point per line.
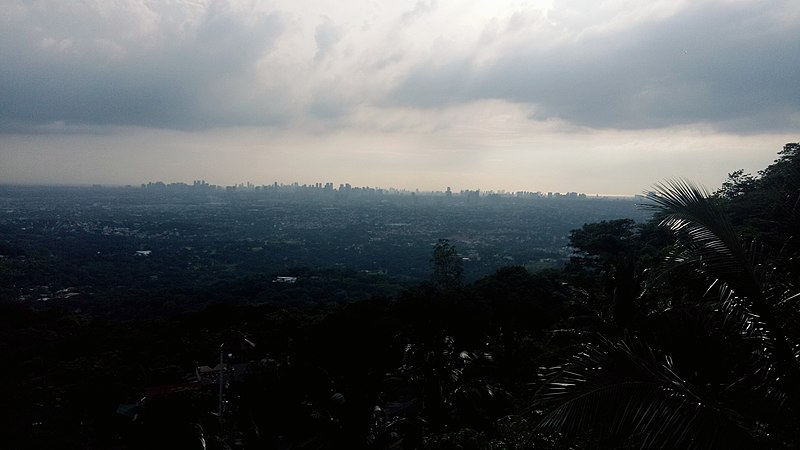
x=58 y=72
x=734 y=67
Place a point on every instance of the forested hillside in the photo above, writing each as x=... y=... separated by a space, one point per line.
x=679 y=332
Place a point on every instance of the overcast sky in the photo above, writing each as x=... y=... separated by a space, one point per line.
x=575 y=95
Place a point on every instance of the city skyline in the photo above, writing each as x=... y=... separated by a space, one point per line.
x=247 y=186
x=562 y=95
x=331 y=186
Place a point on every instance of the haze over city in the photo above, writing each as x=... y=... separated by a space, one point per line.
x=598 y=97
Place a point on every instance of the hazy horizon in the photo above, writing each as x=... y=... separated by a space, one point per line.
x=576 y=95
x=456 y=190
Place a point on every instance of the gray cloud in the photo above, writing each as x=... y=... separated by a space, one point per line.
x=730 y=67
x=327 y=105
x=420 y=9
x=326 y=35
x=216 y=63
x=56 y=71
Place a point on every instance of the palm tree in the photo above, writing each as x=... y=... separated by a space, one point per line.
x=624 y=392
x=752 y=288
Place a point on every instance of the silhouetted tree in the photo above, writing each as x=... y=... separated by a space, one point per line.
x=448 y=270
x=737 y=184
x=753 y=289
x=609 y=249
x=627 y=393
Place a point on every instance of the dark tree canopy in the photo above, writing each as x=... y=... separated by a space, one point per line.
x=448 y=269
x=737 y=184
x=601 y=242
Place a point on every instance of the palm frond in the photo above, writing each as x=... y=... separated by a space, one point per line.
x=626 y=394
x=749 y=287
x=753 y=292
x=706 y=236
